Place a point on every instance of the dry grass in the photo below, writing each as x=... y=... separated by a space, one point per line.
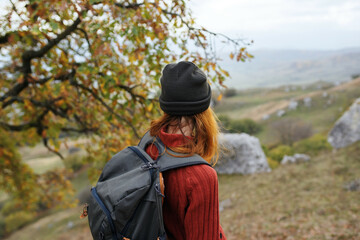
x=301 y=201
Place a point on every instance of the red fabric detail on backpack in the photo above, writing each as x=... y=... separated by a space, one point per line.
x=191 y=206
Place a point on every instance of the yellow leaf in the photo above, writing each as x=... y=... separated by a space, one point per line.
x=161 y=36
x=219 y=97
x=63 y=57
x=231 y=55
x=132 y=58
x=150 y=107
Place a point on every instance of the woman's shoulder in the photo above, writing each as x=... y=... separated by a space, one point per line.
x=201 y=173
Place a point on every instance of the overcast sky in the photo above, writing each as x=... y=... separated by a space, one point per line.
x=284 y=24
x=281 y=24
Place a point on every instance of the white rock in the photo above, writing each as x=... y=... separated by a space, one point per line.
x=70 y=224
x=307 y=101
x=242 y=154
x=298 y=157
x=287 y=159
x=347 y=129
x=325 y=94
x=293 y=105
x=224 y=204
x=266 y=117
x=280 y=113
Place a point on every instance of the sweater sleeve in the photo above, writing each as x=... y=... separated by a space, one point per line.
x=202 y=214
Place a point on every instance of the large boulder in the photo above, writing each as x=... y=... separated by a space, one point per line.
x=241 y=153
x=347 y=129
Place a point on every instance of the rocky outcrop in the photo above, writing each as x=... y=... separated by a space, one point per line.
x=241 y=153
x=295 y=159
x=347 y=129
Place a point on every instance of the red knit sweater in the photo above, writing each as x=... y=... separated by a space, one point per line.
x=191 y=205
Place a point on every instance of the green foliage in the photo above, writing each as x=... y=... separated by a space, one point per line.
x=239 y=126
x=244 y=126
x=16 y=220
x=272 y=163
x=10 y=207
x=74 y=162
x=279 y=152
x=265 y=149
x=312 y=145
x=16 y=178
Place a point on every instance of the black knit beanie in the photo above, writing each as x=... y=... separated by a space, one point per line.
x=184 y=89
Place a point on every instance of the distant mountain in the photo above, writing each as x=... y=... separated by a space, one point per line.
x=271 y=68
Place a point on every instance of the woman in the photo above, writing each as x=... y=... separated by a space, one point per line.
x=191 y=205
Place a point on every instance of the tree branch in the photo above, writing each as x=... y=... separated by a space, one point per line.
x=45 y=142
x=129 y=6
x=86 y=38
x=61 y=77
x=30 y=54
x=74 y=83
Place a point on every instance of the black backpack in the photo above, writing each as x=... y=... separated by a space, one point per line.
x=127 y=200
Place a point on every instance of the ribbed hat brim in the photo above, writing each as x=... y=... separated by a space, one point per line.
x=186 y=108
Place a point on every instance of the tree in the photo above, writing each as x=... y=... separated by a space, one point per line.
x=91 y=67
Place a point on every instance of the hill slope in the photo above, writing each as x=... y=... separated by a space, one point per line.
x=298 y=201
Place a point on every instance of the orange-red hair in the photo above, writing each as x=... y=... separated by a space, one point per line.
x=205 y=134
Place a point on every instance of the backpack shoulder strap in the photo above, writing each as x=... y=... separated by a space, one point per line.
x=165 y=160
x=148 y=139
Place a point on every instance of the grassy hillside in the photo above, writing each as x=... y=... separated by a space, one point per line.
x=328 y=102
x=296 y=201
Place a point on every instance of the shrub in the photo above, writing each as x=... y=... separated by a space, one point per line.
x=74 y=162
x=312 y=145
x=248 y=126
x=10 y=207
x=290 y=130
x=244 y=126
x=18 y=219
x=279 y=152
x=272 y=163
x=230 y=92
x=265 y=149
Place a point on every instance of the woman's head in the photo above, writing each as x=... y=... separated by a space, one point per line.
x=204 y=137
x=185 y=100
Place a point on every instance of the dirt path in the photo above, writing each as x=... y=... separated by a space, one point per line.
x=272 y=107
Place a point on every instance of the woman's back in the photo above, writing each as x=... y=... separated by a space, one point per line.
x=191 y=206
